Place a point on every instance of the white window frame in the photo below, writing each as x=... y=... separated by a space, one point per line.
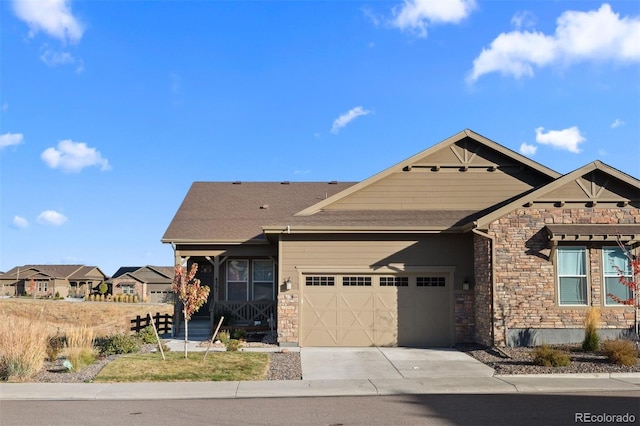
x=613 y=274
x=254 y=281
x=246 y=282
x=42 y=286
x=584 y=277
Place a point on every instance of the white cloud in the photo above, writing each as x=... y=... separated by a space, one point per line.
x=51 y=217
x=73 y=156
x=526 y=149
x=523 y=19
x=416 y=15
x=11 y=139
x=53 y=59
x=617 y=123
x=19 y=222
x=53 y=17
x=599 y=35
x=566 y=139
x=347 y=117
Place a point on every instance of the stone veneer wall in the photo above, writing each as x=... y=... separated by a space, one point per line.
x=482 y=290
x=288 y=319
x=465 y=321
x=525 y=284
x=138 y=288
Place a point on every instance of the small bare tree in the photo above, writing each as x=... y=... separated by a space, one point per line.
x=629 y=279
x=192 y=295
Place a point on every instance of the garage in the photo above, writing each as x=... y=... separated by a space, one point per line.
x=411 y=309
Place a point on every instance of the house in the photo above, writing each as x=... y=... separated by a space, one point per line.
x=66 y=280
x=466 y=241
x=150 y=283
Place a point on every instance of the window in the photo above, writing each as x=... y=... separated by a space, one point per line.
x=615 y=263
x=42 y=286
x=356 y=281
x=394 y=281
x=572 y=276
x=430 y=281
x=319 y=280
x=237 y=280
x=127 y=288
x=262 y=280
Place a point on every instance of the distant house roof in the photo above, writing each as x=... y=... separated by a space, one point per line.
x=236 y=211
x=71 y=272
x=156 y=274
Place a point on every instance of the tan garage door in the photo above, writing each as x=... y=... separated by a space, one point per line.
x=376 y=310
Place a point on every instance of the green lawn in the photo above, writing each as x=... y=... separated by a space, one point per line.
x=219 y=366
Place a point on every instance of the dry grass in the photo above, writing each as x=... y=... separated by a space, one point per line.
x=29 y=324
x=23 y=347
x=80 y=350
x=104 y=318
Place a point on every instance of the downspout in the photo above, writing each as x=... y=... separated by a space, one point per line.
x=493 y=280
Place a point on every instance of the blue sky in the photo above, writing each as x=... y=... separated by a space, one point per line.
x=109 y=110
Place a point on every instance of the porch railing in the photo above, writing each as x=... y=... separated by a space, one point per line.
x=246 y=312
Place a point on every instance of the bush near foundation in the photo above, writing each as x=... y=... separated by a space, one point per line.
x=547 y=356
x=620 y=351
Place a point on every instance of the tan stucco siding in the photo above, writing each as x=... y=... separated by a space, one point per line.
x=447 y=189
x=376 y=252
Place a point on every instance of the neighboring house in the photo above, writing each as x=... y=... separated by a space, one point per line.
x=466 y=241
x=66 y=280
x=150 y=283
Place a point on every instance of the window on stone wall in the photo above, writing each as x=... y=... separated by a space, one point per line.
x=572 y=275
x=615 y=264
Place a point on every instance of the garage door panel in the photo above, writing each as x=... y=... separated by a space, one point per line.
x=349 y=314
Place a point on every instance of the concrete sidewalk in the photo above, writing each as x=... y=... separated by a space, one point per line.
x=306 y=388
x=341 y=372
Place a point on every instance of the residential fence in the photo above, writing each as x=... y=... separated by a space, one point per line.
x=163 y=323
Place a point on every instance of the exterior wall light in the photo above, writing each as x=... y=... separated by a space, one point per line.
x=465 y=284
x=287 y=283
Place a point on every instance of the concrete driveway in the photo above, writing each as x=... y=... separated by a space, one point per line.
x=388 y=363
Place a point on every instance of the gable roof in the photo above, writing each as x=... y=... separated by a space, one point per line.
x=73 y=272
x=574 y=176
x=411 y=161
x=234 y=212
x=140 y=273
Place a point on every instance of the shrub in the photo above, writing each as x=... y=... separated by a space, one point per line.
x=233 y=345
x=224 y=337
x=591 y=339
x=548 y=357
x=57 y=295
x=147 y=335
x=118 y=344
x=239 y=334
x=80 y=349
x=55 y=345
x=620 y=351
x=23 y=347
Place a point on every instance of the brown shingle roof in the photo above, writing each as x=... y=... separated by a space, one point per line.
x=227 y=211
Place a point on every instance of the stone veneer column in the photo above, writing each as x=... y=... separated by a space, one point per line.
x=482 y=290
x=288 y=332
